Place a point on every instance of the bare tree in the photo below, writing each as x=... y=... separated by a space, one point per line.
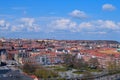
x=93 y=63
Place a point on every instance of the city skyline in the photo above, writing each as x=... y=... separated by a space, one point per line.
x=74 y=20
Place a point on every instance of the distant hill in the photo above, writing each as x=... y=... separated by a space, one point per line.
x=94 y=41
x=107 y=41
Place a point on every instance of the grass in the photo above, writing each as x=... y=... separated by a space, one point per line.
x=61 y=79
x=114 y=72
x=58 y=68
x=90 y=70
x=94 y=70
x=78 y=72
x=61 y=69
x=54 y=66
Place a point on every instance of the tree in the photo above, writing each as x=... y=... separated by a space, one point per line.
x=44 y=73
x=93 y=63
x=39 y=71
x=87 y=76
x=113 y=66
x=71 y=61
x=80 y=64
x=29 y=68
x=68 y=60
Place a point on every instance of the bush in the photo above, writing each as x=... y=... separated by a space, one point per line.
x=38 y=71
x=29 y=68
x=44 y=73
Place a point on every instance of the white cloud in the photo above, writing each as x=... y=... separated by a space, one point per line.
x=35 y=28
x=96 y=26
x=4 y=25
x=99 y=32
x=6 y=16
x=2 y=22
x=28 y=21
x=106 y=24
x=78 y=14
x=63 y=24
x=17 y=27
x=99 y=25
x=85 y=25
x=108 y=7
x=60 y=24
x=24 y=24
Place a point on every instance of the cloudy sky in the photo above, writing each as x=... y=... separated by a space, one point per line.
x=60 y=19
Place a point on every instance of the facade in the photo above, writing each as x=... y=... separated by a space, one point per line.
x=118 y=49
x=42 y=59
x=3 y=56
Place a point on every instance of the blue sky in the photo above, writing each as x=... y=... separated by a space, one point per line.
x=60 y=19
